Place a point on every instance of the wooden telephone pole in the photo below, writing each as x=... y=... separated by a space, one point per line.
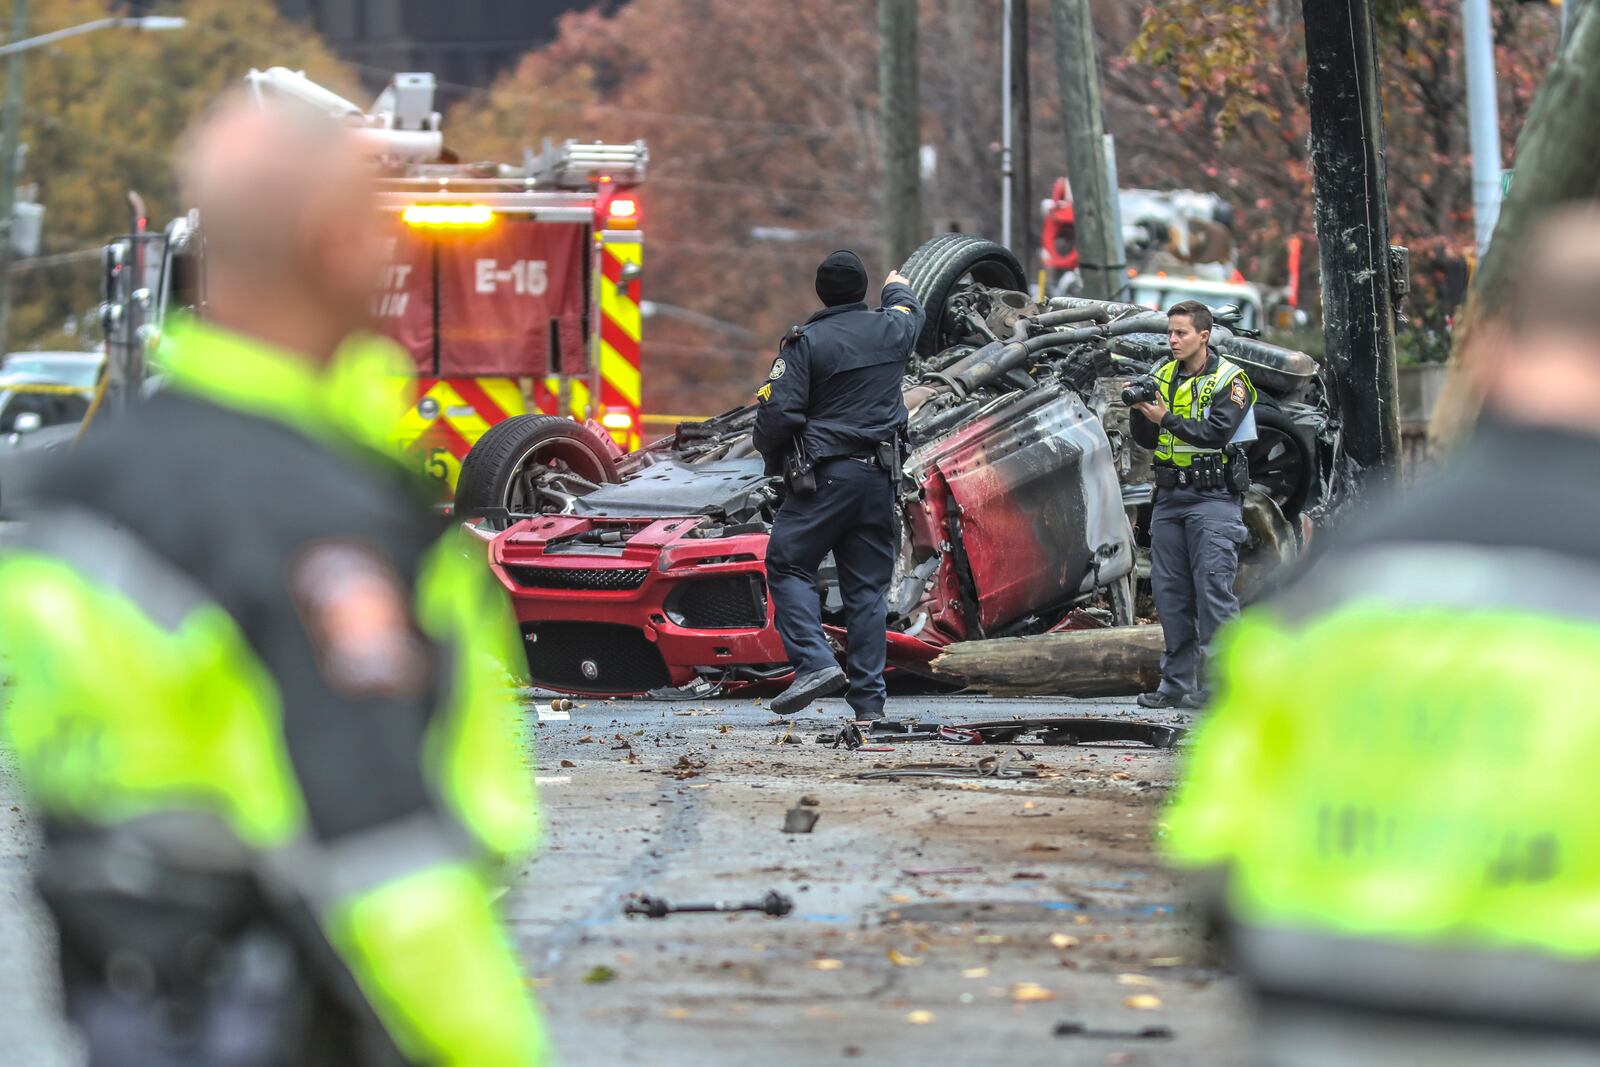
x=900 y=129
x=1352 y=221
x=1088 y=169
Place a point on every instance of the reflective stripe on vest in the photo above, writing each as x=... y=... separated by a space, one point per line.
x=1401 y=753
x=1191 y=400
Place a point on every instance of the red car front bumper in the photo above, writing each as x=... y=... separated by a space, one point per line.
x=623 y=606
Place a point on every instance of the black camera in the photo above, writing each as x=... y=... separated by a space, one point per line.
x=1141 y=390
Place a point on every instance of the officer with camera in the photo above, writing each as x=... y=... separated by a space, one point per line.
x=830 y=419
x=1194 y=412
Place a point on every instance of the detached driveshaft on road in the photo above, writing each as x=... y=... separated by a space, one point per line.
x=774 y=904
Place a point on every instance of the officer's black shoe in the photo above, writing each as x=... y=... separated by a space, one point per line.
x=1195 y=699
x=867 y=716
x=813 y=685
x=1162 y=699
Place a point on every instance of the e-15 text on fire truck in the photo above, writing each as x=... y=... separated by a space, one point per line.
x=515 y=289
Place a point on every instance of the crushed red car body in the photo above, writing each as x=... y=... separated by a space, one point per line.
x=1018 y=506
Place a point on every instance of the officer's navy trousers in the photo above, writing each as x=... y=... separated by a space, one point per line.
x=1194 y=555
x=851 y=515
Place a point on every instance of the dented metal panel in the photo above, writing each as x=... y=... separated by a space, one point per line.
x=1041 y=515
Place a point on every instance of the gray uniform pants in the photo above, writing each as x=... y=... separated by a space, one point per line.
x=1195 y=536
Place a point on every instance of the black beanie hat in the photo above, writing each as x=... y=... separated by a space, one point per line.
x=842 y=279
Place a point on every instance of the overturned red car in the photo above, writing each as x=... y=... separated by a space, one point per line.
x=1020 y=504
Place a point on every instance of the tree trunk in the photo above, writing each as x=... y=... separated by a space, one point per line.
x=1117 y=661
x=1554 y=162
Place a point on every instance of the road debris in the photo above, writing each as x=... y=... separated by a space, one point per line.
x=1142 y=1002
x=1030 y=992
x=600 y=975
x=1144 y=1033
x=799 y=820
x=986 y=767
x=848 y=735
x=918 y=872
x=687 y=767
x=1062 y=730
x=1046 y=730
x=774 y=904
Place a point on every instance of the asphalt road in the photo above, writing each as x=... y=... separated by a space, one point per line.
x=937 y=921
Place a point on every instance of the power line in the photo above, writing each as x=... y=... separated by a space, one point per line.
x=478 y=91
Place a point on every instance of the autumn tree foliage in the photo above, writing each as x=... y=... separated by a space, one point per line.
x=762 y=124
x=102 y=115
x=1223 y=84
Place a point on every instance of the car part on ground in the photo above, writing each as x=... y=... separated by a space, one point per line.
x=986 y=767
x=1047 y=730
x=774 y=904
x=647 y=571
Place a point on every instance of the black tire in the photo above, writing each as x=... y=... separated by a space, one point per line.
x=1282 y=460
x=489 y=474
x=938 y=268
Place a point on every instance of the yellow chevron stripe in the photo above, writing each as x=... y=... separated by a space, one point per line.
x=580 y=399
x=504 y=391
x=471 y=426
x=620 y=310
x=578 y=395
x=623 y=376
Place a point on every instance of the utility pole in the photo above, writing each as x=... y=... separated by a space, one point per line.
x=900 y=129
x=1099 y=245
x=1352 y=220
x=10 y=132
x=1483 y=118
x=1020 y=226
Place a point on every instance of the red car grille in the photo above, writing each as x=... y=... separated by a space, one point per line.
x=593 y=657
x=604 y=578
x=731 y=602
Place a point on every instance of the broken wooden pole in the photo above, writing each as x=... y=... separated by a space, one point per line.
x=1352 y=220
x=1114 y=661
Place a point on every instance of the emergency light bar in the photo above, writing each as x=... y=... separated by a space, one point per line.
x=448 y=215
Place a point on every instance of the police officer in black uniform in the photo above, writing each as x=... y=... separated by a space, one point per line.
x=830 y=418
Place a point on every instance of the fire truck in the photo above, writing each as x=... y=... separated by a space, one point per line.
x=514 y=288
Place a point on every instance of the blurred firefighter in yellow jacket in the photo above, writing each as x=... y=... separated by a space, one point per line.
x=258 y=692
x=1397 y=780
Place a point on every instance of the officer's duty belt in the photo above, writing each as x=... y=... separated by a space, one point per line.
x=870 y=458
x=1174 y=477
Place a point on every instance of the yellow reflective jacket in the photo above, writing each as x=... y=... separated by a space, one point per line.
x=167 y=654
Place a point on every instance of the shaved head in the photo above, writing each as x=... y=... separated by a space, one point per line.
x=1541 y=363
x=1557 y=282
x=284 y=195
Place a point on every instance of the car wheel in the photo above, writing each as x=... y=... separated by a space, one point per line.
x=1281 y=459
x=504 y=468
x=946 y=264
